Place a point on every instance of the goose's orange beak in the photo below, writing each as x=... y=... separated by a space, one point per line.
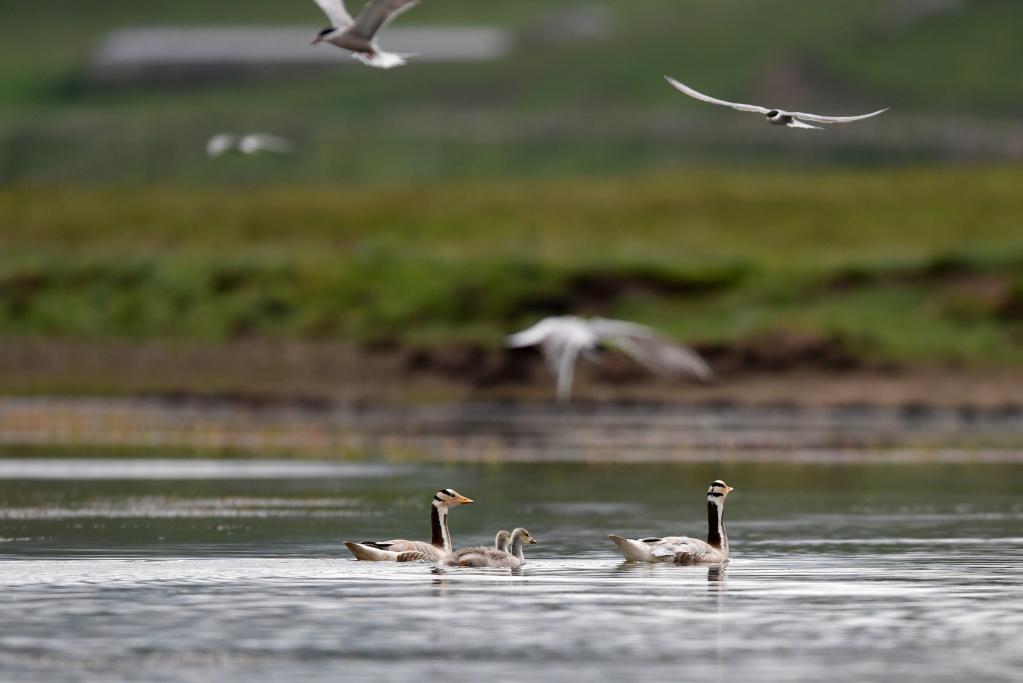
x=462 y=500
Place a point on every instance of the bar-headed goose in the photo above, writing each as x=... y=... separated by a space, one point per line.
x=502 y=540
x=492 y=557
x=440 y=541
x=682 y=549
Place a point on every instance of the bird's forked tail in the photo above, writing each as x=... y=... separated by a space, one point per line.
x=380 y=59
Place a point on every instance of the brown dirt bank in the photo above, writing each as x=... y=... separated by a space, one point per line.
x=778 y=368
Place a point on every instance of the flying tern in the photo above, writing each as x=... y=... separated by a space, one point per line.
x=357 y=35
x=776 y=117
x=563 y=338
x=251 y=144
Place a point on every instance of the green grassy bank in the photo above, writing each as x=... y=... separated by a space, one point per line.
x=909 y=266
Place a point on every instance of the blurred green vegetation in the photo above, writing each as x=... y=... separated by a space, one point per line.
x=551 y=108
x=911 y=265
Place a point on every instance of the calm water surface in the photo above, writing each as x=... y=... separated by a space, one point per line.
x=230 y=571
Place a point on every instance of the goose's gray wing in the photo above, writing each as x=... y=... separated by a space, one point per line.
x=378 y=13
x=713 y=100
x=336 y=12
x=816 y=118
x=685 y=551
x=648 y=348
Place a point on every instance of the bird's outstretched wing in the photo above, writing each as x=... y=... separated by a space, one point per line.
x=336 y=12
x=646 y=347
x=713 y=100
x=796 y=123
x=219 y=144
x=264 y=142
x=378 y=13
x=816 y=118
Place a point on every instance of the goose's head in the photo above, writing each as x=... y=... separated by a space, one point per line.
x=522 y=536
x=774 y=115
x=502 y=540
x=450 y=498
x=718 y=490
x=322 y=35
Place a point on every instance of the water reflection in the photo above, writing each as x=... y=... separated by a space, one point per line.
x=716 y=576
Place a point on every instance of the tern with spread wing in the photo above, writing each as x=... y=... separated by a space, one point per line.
x=563 y=338
x=776 y=117
x=358 y=35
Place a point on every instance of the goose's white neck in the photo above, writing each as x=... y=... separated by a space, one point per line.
x=716 y=534
x=515 y=547
x=440 y=536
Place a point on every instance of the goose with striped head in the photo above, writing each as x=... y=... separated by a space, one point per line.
x=682 y=549
x=440 y=540
x=493 y=557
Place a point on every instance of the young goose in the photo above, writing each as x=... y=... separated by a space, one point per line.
x=440 y=542
x=492 y=557
x=501 y=542
x=682 y=549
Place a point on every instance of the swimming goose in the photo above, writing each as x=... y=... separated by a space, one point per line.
x=492 y=557
x=440 y=542
x=357 y=35
x=776 y=117
x=563 y=338
x=501 y=542
x=682 y=549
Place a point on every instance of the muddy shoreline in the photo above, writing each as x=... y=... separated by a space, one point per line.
x=790 y=370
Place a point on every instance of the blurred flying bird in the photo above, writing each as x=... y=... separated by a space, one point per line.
x=221 y=144
x=255 y=143
x=563 y=338
x=251 y=144
x=776 y=117
x=357 y=35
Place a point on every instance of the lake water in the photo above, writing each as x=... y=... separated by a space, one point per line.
x=201 y=570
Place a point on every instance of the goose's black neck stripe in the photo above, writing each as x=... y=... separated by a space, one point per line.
x=439 y=537
x=713 y=524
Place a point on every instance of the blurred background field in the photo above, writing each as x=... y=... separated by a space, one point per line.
x=451 y=203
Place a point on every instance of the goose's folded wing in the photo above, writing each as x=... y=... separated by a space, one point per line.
x=376 y=14
x=414 y=556
x=669 y=547
x=682 y=87
x=817 y=118
x=646 y=347
x=336 y=12
x=414 y=547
